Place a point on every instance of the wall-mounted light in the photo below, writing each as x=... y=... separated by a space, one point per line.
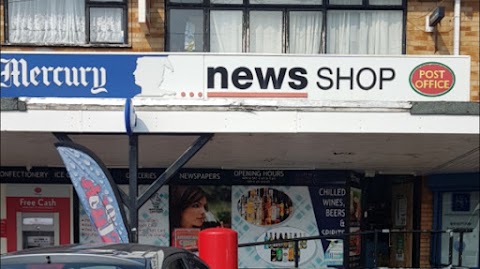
x=434 y=18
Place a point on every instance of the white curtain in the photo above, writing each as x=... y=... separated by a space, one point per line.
x=46 y=21
x=106 y=25
x=305 y=32
x=186 y=1
x=287 y=2
x=226 y=31
x=385 y=2
x=371 y=2
x=266 y=31
x=345 y=2
x=226 y=1
x=364 y=32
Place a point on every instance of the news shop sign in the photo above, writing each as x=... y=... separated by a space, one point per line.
x=236 y=76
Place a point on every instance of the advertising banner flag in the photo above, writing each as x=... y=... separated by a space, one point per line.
x=96 y=191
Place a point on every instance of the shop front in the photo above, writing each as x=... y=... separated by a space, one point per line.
x=260 y=205
x=295 y=146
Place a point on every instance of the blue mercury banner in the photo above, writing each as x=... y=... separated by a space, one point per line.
x=71 y=75
x=96 y=191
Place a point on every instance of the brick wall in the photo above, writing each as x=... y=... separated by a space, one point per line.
x=426 y=223
x=421 y=42
x=140 y=40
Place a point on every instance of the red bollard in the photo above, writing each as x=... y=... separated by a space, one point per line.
x=218 y=247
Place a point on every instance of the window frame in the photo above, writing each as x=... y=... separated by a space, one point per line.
x=245 y=7
x=89 y=4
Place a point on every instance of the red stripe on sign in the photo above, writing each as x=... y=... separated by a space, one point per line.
x=259 y=94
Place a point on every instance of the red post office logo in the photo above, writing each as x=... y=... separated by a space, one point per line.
x=432 y=79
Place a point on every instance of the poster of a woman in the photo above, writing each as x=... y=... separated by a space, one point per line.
x=193 y=208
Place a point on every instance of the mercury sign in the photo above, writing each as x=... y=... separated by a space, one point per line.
x=17 y=73
x=207 y=77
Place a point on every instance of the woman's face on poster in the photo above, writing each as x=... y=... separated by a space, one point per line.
x=194 y=214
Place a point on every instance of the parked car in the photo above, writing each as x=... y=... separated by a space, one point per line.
x=102 y=256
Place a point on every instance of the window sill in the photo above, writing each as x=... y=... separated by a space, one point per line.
x=47 y=46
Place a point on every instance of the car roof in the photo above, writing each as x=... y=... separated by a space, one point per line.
x=126 y=254
x=122 y=249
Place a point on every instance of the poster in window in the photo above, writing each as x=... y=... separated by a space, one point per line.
x=153 y=226
x=197 y=207
x=401 y=211
x=355 y=206
x=265 y=212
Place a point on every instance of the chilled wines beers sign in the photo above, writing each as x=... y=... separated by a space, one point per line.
x=236 y=76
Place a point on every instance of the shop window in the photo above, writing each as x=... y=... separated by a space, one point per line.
x=305 y=28
x=364 y=32
x=186 y=30
x=226 y=31
x=265 y=31
x=286 y=26
x=461 y=210
x=66 y=22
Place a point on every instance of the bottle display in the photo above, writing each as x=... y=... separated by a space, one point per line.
x=284 y=253
x=265 y=206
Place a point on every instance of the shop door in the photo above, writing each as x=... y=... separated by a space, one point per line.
x=37 y=222
x=402 y=219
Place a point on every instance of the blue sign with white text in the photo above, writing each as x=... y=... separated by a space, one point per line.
x=461 y=202
x=78 y=75
x=329 y=204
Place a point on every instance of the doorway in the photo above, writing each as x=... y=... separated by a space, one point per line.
x=389 y=209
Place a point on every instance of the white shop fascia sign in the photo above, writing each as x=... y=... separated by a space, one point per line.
x=236 y=76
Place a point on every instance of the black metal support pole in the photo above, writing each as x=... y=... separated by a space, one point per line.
x=173 y=169
x=297 y=253
x=460 y=249
x=133 y=187
x=375 y=248
x=62 y=137
x=450 y=248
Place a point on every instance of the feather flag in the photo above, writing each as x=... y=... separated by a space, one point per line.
x=96 y=191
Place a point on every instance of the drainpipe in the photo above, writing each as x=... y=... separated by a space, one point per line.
x=456 y=28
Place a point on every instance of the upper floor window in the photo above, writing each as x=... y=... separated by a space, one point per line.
x=286 y=26
x=66 y=22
